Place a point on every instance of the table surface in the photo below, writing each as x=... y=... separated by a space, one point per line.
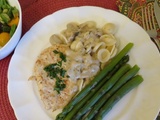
x=32 y=11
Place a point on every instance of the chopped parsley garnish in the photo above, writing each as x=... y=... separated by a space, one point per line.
x=61 y=55
x=55 y=71
x=60 y=85
x=55 y=51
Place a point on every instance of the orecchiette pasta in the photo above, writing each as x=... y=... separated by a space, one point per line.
x=87 y=25
x=73 y=26
x=90 y=47
x=76 y=45
x=114 y=52
x=56 y=39
x=109 y=28
x=98 y=46
x=103 y=55
x=108 y=39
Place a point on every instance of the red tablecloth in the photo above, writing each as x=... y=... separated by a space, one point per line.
x=32 y=11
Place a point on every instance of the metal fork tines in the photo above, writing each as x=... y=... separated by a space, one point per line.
x=149 y=25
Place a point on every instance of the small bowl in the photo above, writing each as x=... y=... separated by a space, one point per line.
x=11 y=44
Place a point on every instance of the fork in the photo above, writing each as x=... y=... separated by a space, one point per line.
x=148 y=23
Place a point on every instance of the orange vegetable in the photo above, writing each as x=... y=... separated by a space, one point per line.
x=14 y=21
x=4 y=38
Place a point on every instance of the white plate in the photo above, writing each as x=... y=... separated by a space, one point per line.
x=142 y=103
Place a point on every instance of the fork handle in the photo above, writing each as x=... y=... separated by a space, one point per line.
x=157 y=42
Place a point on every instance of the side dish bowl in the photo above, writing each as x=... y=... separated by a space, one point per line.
x=13 y=41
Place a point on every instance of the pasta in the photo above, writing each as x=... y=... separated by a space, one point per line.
x=86 y=39
x=109 y=28
x=103 y=55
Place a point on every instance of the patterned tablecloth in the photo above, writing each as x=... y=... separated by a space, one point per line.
x=133 y=10
x=32 y=11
